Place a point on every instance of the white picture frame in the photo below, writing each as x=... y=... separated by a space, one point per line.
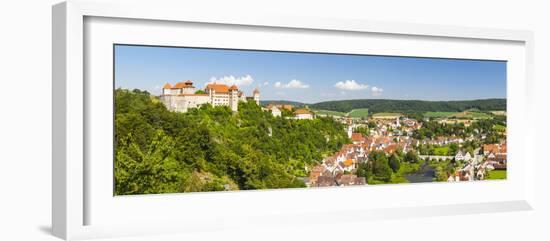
x=76 y=197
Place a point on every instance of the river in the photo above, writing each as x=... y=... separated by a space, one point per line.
x=425 y=174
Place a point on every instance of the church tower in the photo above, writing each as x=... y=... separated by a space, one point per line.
x=397 y=122
x=256 y=95
x=233 y=98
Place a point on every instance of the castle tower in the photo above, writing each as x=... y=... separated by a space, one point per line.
x=187 y=87
x=211 y=93
x=233 y=98
x=167 y=97
x=167 y=89
x=256 y=95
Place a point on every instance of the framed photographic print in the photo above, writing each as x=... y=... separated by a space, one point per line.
x=437 y=120
x=206 y=123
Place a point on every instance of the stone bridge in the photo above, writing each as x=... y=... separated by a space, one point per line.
x=431 y=157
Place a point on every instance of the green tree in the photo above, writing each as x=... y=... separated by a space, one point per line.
x=453 y=148
x=363 y=130
x=154 y=170
x=381 y=169
x=364 y=170
x=411 y=157
x=211 y=148
x=395 y=162
x=440 y=174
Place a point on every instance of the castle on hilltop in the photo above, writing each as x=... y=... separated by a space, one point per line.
x=184 y=95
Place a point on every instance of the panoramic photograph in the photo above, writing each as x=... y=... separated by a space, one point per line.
x=205 y=120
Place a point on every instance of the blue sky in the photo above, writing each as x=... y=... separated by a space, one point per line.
x=311 y=77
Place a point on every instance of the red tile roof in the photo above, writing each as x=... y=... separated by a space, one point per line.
x=219 y=88
x=503 y=149
x=356 y=136
x=181 y=85
x=302 y=111
x=167 y=86
x=287 y=107
x=348 y=162
x=391 y=148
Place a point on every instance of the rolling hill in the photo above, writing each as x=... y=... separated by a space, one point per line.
x=411 y=106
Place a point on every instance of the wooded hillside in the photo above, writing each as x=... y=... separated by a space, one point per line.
x=213 y=148
x=411 y=106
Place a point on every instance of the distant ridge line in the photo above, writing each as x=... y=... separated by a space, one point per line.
x=404 y=106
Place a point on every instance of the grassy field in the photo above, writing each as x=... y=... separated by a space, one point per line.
x=441 y=151
x=473 y=115
x=496 y=175
x=460 y=115
x=499 y=128
x=329 y=113
x=359 y=113
x=498 y=112
x=439 y=114
x=386 y=115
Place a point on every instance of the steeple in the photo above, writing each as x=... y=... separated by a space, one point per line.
x=256 y=95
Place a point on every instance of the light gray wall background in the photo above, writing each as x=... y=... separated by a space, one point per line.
x=25 y=119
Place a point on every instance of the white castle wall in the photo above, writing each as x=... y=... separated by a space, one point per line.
x=181 y=99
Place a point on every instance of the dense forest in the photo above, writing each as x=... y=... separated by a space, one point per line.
x=411 y=106
x=213 y=148
x=488 y=127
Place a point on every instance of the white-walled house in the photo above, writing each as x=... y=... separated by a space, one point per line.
x=463 y=156
x=467 y=156
x=459 y=156
x=275 y=111
x=303 y=114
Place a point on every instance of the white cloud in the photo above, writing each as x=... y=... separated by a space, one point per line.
x=376 y=91
x=232 y=80
x=350 y=85
x=293 y=84
x=266 y=83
